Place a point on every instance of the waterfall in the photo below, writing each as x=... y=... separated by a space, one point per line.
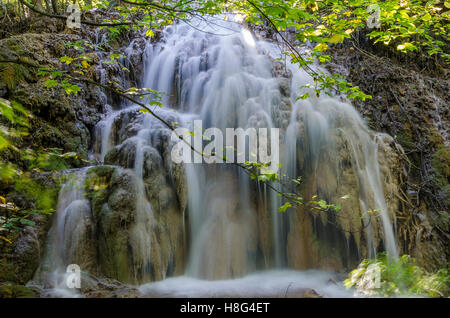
x=67 y=237
x=228 y=79
x=223 y=81
x=323 y=117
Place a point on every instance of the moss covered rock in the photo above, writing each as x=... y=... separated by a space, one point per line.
x=139 y=233
x=10 y=290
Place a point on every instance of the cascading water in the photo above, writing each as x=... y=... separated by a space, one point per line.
x=223 y=81
x=233 y=228
x=229 y=81
x=68 y=236
x=322 y=119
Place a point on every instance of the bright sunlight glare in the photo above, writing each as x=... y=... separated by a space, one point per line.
x=248 y=38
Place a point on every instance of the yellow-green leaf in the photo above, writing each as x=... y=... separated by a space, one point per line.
x=85 y=64
x=321 y=47
x=426 y=17
x=284 y=207
x=337 y=38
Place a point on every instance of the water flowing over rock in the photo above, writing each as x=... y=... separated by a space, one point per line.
x=138 y=217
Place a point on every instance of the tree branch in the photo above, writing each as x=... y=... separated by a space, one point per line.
x=290 y=46
x=63 y=17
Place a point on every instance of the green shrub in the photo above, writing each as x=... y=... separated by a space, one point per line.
x=385 y=277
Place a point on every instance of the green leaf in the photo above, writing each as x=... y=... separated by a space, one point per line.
x=321 y=47
x=426 y=17
x=115 y=56
x=337 y=38
x=322 y=204
x=71 y=88
x=156 y=103
x=304 y=96
x=50 y=83
x=27 y=222
x=66 y=59
x=406 y=47
x=284 y=207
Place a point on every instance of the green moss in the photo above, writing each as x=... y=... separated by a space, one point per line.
x=16 y=291
x=97 y=184
x=405 y=139
x=20 y=267
x=435 y=138
x=441 y=161
x=7 y=272
x=442 y=220
x=440 y=164
x=13 y=74
x=101 y=171
x=20 y=258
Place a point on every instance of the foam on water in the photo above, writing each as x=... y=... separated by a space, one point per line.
x=271 y=283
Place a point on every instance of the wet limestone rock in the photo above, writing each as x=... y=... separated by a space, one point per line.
x=117 y=213
x=410 y=102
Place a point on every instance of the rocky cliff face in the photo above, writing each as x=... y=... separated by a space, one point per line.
x=59 y=121
x=337 y=241
x=119 y=223
x=410 y=102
